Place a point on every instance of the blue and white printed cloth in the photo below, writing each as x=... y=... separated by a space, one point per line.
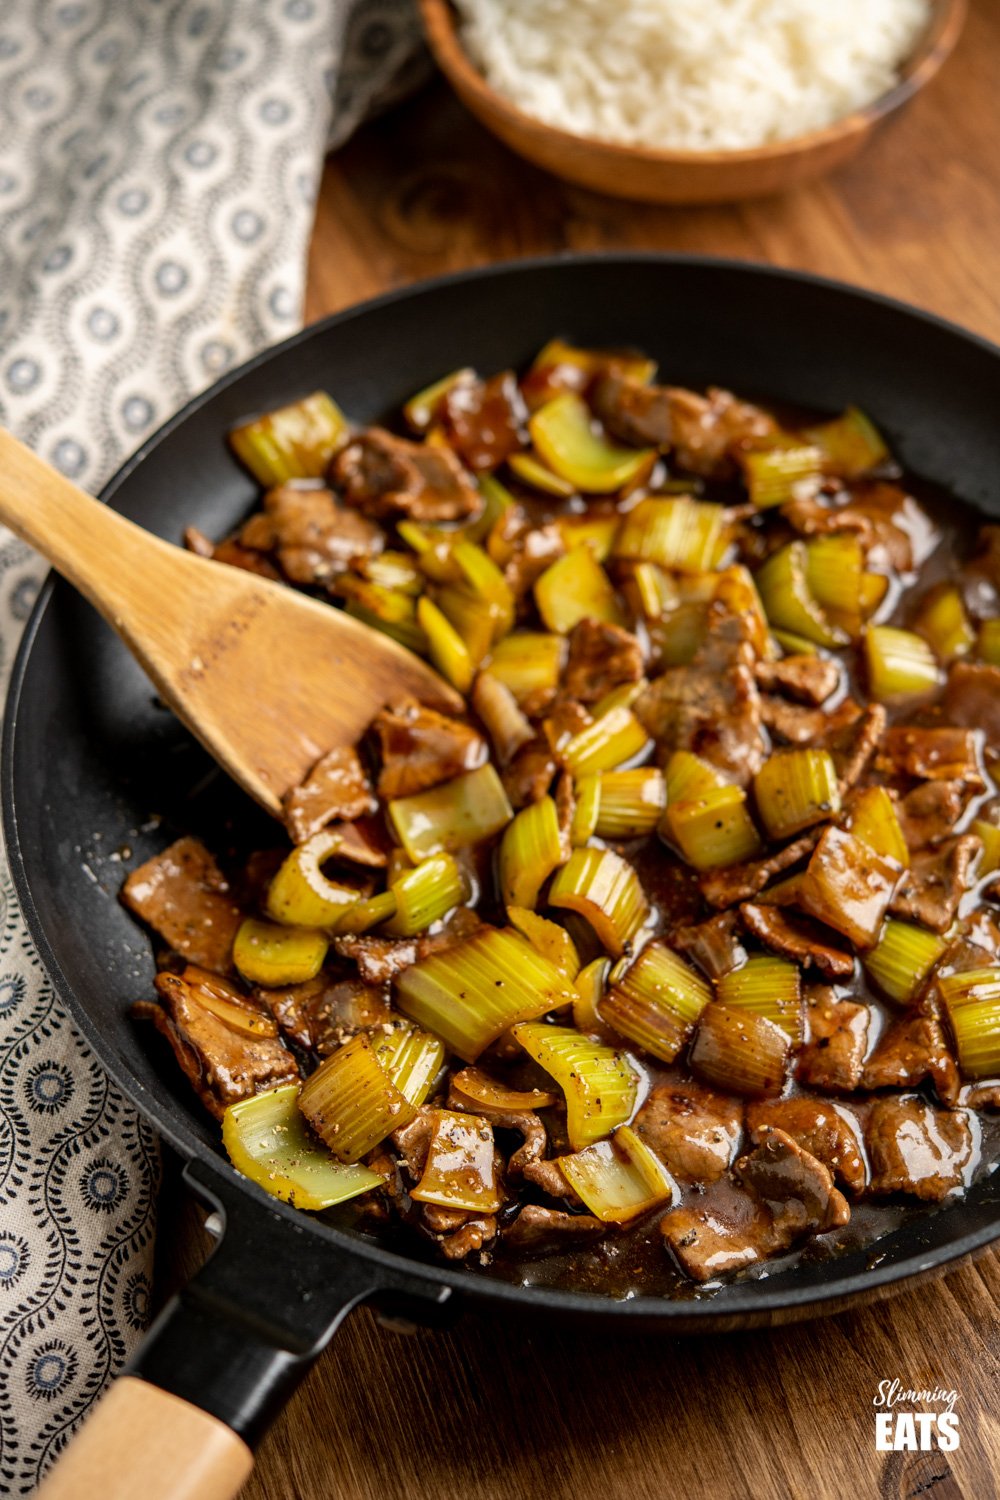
x=159 y=164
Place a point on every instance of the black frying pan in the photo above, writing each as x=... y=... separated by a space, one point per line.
x=87 y=752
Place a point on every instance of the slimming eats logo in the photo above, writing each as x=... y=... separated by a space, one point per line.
x=899 y=1427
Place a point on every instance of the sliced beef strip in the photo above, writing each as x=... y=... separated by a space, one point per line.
x=529 y=776
x=798 y=724
x=742 y=882
x=322 y=1013
x=832 y=1058
x=601 y=657
x=708 y=1245
x=182 y=894
x=893 y=528
x=813 y=516
x=544 y=1229
x=477 y=1231
x=972 y=697
x=807 y=679
x=910 y=1052
x=526 y=550
x=387 y=477
x=380 y=959
x=929 y=811
x=336 y=787
x=917 y=1149
x=223 y=1065
x=412 y=1143
x=799 y=938
x=693 y=1129
x=484 y=420
x=714 y=944
x=853 y=744
x=420 y=748
x=932 y=888
x=937 y=754
x=848 y=886
x=316 y=538
x=232 y=551
x=702 y=431
x=828 y=1131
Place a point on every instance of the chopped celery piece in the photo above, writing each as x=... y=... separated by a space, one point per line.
x=368 y=913
x=567 y=439
x=411 y=1057
x=498 y=500
x=789 y=602
x=794 y=645
x=680 y=533
x=973 y=1002
x=547 y=938
x=655 y=1001
x=769 y=986
x=425 y=894
x=773 y=475
x=740 y=1051
x=476 y=1088
x=448 y=651
x=395 y=571
x=618 y=1179
x=451 y=816
x=423 y=408
x=596 y=532
x=506 y=725
x=873 y=820
x=942 y=620
x=300 y=895
x=586 y=808
x=679 y=634
x=474 y=619
x=590 y=985
x=563 y=367
x=902 y=959
x=795 y=789
x=689 y=777
x=529 y=663
x=874 y=587
x=989 y=834
x=294 y=442
x=606 y=744
x=598 y=1083
x=486 y=582
x=351 y=1102
x=899 y=664
x=530 y=470
x=714 y=831
x=988 y=644
x=630 y=803
x=623 y=696
x=267 y=1141
x=851 y=442
x=393 y=613
x=971 y=987
x=531 y=848
x=471 y=993
x=573 y=589
x=834 y=565
x=604 y=889
x=460 y=1170
x=271 y=955
x=656 y=590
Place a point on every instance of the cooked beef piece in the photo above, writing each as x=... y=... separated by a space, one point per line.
x=363 y=842
x=336 y=787
x=975 y=945
x=712 y=706
x=980 y=580
x=388 y=476
x=542 y=1229
x=931 y=889
x=894 y=529
x=476 y=1231
x=528 y=777
x=815 y=516
x=694 y=1130
x=714 y=944
x=972 y=697
x=601 y=658
x=798 y=724
x=379 y=959
x=420 y=748
x=315 y=537
x=917 y=1149
x=638 y=413
x=182 y=894
x=223 y=1064
x=928 y=813
x=232 y=551
x=702 y=431
x=742 y=882
x=807 y=679
x=484 y=419
x=708 y=1245
x=832 y=1058
x=944 y=754
x=799 y=938
x=852 y=745
x=526 y=550
x=412 y=1142
x=566 y=719
x=912 y=1051
x=548 y=1175
x=322 y=1013
x=980 y=1096
x=827 y=1131
x=848 y=886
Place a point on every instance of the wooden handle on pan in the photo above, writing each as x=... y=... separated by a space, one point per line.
x=142 y=1443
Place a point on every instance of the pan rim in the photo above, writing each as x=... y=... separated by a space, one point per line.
x=746 y=1300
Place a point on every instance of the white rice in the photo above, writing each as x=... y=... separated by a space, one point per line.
x=692 y=75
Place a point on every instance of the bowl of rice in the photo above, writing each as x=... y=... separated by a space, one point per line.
x=688 y=101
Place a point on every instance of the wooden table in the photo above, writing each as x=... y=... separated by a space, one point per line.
x=495 y=1413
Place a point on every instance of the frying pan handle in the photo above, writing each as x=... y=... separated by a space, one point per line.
x=224 y=1356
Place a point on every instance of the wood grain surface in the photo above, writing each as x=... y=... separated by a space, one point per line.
x=514 y=1412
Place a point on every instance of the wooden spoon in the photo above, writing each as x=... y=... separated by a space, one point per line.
x=267 y=678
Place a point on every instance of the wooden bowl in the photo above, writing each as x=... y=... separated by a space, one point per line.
x=683 y=176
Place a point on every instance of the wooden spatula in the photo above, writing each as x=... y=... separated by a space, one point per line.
x=267 y=678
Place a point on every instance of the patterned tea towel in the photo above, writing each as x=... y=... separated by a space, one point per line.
x=159 y=163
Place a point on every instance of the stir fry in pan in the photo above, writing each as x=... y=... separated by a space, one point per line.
x=687 y=932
